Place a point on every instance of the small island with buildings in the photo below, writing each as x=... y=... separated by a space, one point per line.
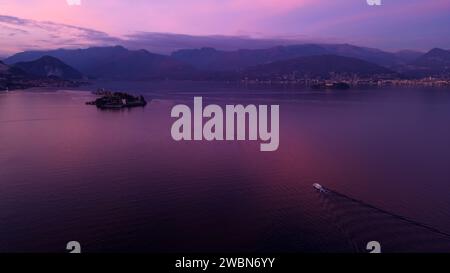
x=116 y=100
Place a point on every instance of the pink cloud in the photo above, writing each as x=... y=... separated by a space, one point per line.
x=270 y=6
x=181 y=16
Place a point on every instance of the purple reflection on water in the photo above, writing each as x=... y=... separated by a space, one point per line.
x=116 y=181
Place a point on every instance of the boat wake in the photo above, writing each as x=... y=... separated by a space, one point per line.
x=362 y=223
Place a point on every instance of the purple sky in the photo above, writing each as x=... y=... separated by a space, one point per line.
x=396 y=24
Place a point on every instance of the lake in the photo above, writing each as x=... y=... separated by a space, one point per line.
x=116 y=181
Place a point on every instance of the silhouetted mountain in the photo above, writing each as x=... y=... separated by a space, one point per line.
x=44 y=72
x=141 y=65
x=435 y=59
x=211 y=59
x=113 y=62
x=48 y=66
x=408 y=56
x=12 y=77
x=323 y=66
x=372 y=55
x=3 y=67
x=119 y=63
x=10 y=70
x=83 y=60
x=435 y=62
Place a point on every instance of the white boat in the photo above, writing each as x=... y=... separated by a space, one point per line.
x=319 y=187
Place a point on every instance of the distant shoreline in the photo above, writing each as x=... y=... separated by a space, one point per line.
x=213 y=87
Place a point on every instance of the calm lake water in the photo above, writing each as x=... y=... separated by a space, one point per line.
x=116 y=181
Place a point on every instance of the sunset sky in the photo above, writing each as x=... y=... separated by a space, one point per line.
x=397 y=24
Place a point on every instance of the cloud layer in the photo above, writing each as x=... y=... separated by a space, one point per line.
x=19 y=34
x=24 y=34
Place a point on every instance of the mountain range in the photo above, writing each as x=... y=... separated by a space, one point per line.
x=434 y=62
x=313 y=67
x=119 y=63
x=111 y=62
x=211 y=59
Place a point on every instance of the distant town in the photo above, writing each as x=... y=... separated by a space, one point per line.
x=351 y=82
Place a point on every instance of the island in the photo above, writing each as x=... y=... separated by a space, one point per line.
x=117 y=100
